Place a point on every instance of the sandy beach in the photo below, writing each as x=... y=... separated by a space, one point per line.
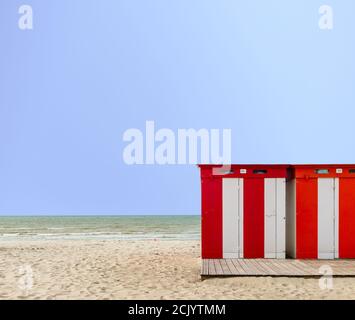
x=149 y=269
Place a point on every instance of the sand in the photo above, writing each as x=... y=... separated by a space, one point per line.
x=93 y=269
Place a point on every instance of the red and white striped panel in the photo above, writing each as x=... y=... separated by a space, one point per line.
x=313 y=233
x=253 y=217
x=324 y=225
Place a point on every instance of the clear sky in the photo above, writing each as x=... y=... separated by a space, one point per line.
x=89 y=70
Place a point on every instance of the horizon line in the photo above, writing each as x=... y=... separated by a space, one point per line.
x=96 y=215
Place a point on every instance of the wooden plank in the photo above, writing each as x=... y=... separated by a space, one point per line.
x=217 y=264
x=288 y=268
x=211 y=268
x=337 y=270
x=203 y=267
x=303 y=267
x=281 y=268
x=264 y=266
x=307 y=266
x=232 y=267
x=350 y=265
x=238 y=266
x=259 y=269
x=344 y=269
x=275 y=267
x=249 y=268
x=225 y=268
x=267 y=266
x=296 y=269
x=278 y=267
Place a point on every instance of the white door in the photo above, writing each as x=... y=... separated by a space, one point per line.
x=232 y=218
x=327 y=218
x=275 y=222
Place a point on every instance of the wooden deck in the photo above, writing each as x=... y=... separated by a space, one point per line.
x=276 y=267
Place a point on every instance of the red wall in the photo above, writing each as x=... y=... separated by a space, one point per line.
x=211 y=219
x=307 y=219
x=254 y=218
x=347 y=218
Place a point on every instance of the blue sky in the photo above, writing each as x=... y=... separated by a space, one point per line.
x=89 y=70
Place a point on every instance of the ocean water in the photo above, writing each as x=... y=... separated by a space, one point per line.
x=100 y=227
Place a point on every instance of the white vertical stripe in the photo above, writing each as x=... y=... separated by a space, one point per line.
x=231 y=218
x=326 y=218
x=281 y=218
x=270 y=218
x=275 y=223
x=241 y=217
x=336 y=218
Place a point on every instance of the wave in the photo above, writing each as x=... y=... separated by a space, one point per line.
x=117 y=227
x=99 y=236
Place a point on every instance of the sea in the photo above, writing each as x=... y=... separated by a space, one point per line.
x=99 y=227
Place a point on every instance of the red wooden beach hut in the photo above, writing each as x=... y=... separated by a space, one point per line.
x=243 y=211
x=321 y=212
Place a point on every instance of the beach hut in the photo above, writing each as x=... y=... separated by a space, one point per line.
x=243 y=211
x=321 y=212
